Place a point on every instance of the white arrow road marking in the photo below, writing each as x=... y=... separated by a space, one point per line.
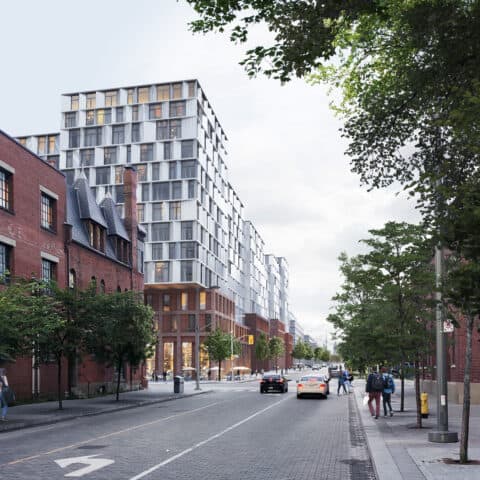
x=91 y=462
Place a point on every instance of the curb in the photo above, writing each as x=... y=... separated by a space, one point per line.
x=146 y=403
x=382 y=460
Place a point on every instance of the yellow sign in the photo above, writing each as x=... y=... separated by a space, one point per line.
x=250 y=340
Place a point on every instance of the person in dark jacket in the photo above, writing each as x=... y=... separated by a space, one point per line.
x=374 y=388
x=388 y=389
x=341 y=383
x=3 y=388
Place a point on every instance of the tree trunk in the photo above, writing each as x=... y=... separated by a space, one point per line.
x=417 y=393
x=402 y=389
x=119 y=372
x=219 y=369
x=59 y=383
x=466 y=391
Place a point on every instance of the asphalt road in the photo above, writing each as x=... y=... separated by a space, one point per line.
x=232 y=433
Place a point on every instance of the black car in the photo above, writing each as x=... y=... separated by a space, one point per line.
x=273 y=383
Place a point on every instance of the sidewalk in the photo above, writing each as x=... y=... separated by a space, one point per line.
x=399 y=451
x=35 y=414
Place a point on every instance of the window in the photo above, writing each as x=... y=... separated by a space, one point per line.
x=162 y=275
x=6 y=179
x=177 y=109
x=135 y=116
x=41 y=145
x=160 y=232
x=51 y=144
x=172 y=170
x=157 y=212
x=189 y=169
x=187 y=148
x=184 y=300
x=162 y=130
x=74 y=102
x=90 y=117
x=186 y=271
x=47 y=212
x=175 y=129
x=140 y=213
x=191 y=89
x=176 y=190
x=172 y=251
x=188 y=250
x=203 y=301
x=167 y=150
x=191 y=322
x=102 y=175
x=176 y=90
x=109 y=155
x=146 y=152
x=87 y=157
x=70 y=119
x=130 y=96
x=166 y=299
x=5 y=269
x=119 y=175
x=191 y=189
x=141 y=173
x=69 y=159
x=160 y=191
x=104 y=116
x=93 y=136
x=155 y=171
x=22 y=141
x=91 y=100
x=187 y=231
x=48 y=270
x=136 y=132
x=163 y=92
x=96 y=236
x=119 y=194
x=157 y=251
x=119 y=114
x=72 y=278
x=145 y=192
x=155 y=110
x=129 y=154
x=118 y=134
x=143 y=95
x=175 y=210
x=111 y=98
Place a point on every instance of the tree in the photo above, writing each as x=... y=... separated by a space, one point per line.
x=276 y=347
x=123 y=331
x=298 y=351
x=262 y=351
x=219 y=347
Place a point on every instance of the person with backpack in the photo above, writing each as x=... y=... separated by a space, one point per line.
x=374 y=388
x=3 y=393
x=388 y=389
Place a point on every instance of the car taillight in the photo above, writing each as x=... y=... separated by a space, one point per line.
x=262 y=381
x=281 y=380
x=322 y=385
x=300 y=385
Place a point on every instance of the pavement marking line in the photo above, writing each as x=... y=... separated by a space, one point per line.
x=204 y=442
x=111 y=434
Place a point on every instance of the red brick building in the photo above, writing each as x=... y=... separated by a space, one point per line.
x=54 y=232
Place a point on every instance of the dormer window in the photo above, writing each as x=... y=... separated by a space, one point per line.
x=96 y=236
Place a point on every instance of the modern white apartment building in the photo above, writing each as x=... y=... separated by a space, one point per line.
x=295 y=329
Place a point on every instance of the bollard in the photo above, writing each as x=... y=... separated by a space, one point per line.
x=424 y=405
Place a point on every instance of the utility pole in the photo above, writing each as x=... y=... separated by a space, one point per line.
x=197 y=339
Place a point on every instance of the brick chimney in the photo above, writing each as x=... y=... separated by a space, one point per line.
x=130 y=221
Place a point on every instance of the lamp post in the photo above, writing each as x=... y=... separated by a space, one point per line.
x=197 y=340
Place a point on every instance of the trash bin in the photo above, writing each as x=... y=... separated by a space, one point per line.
x=178 y=383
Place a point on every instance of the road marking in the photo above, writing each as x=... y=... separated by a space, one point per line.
x=111 y=434
x=203 y=442
x=89 y=460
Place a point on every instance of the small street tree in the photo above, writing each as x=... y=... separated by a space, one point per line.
x=262 y=351
x=298 y=351
x=219 y=347
x=276 y=347
x=123 y=331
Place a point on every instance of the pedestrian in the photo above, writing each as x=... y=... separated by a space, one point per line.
x=153 y=376
x=341 y=383
x=164 y=374
x=346 y=381
x=388 y=389
x=374 y=388
x=3 y=399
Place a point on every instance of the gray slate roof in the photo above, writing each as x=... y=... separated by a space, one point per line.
x=114 y=222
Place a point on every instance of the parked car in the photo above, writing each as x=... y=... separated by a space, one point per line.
x=273 y=383
x=315 y=366
x=313 y=385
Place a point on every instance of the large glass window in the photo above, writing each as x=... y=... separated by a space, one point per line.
x=158 y=212
x=189 y=169
x=52 y=144
x=109 y=155
x=172 y=251
x=91 y=100
x=187 y=349
x=74 y=102
x=157 y=251
x=175 y=210
x=186 y=270
x=102 y=175
x=172 y=170
x=143 y=95
x=175 y=128
x=177 y=109
x=136 y=132
x=191 y=188
x=111 y=98
x=145 y=192
x=162 y=273
x=141 y=173
x=118 y=134
x=70 y=119
x=87 y=157
x=119 y=176
x=169 y=129
x=93 y=136
x=155 y=171
x=48 y=270
x=6 y=179
x=41 y=145
x=155 y=110
x=187 y=230
x=135 y=113
x=176 y=190
x=167 y=150
x=47 y=212
x=160 y=232
x=146 y=152
x=187 y=148
x=140 y=213
x=104 y=116
x=160 y=191
x=162 y=130
x=176 y=90
x=69 y=159
x=90 y=117
x=191 y=89
x=119 y=114
x=188 y=250
x=130 y=96
x=119 y=194
x=163 y=92
x=184 y=300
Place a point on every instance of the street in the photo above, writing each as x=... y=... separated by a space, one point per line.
x=230 y=432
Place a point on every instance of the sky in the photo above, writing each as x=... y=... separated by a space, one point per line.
x=286 y=156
